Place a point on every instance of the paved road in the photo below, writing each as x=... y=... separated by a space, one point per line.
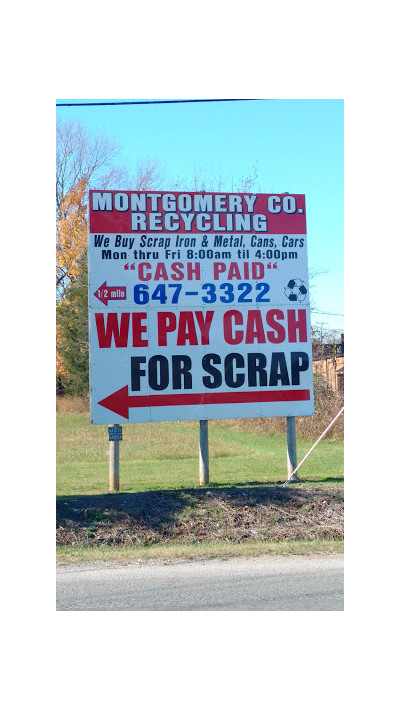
x=262 y=583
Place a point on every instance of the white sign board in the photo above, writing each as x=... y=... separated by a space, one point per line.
x=198 y=306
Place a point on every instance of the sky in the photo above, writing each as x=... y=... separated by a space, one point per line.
x=295 y=145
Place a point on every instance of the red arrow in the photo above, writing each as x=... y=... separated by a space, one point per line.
x=110 y=293
x=120 y=401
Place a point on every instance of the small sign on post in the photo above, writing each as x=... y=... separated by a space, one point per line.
x=115 y=433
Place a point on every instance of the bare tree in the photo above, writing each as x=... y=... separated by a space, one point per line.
x=81 y=156
x=148 y=175
x=203 y=181
x=84 y=161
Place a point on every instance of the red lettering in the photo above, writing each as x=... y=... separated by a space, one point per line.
x=193 y=270
x=229 y=318
x=254 y=328
x=257 y=270
x=160 y=272
x=219 y=267
x=112 y=328
x=141 y=271
x=234 y=272
x=204 y=325
x=137 y=329
x=166 y=322
x=278 y=334
x=186 y=329
x=297 y=325
x=176 y=271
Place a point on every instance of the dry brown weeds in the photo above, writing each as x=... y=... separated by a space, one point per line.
x=184 y=516
x=76 y=404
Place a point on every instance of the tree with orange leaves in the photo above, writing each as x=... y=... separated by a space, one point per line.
x=83 y=161
x=71 y=233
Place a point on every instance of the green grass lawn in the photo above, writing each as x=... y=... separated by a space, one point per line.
x=165 y=456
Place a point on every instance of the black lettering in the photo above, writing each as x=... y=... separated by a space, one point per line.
x=279 y=370
x=136 y=371
x=256 y=366
x=181 y=366
x=216 y=379
x=298 y=362
x=233 y=379
x=158 y=373
x=98 y=241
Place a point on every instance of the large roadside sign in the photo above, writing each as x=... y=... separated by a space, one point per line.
x=198 y=306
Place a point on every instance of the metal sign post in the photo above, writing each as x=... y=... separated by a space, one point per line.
x=291 y=447
x=203 y=453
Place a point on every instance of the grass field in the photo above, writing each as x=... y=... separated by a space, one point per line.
x=165 y=456
x=163 y=513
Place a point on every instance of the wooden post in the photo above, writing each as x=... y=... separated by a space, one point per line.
x=203 y=453
x=113 y=472
x=291 y=447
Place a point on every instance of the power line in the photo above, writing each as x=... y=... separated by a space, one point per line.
x=136 y=103
x=324 y=313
